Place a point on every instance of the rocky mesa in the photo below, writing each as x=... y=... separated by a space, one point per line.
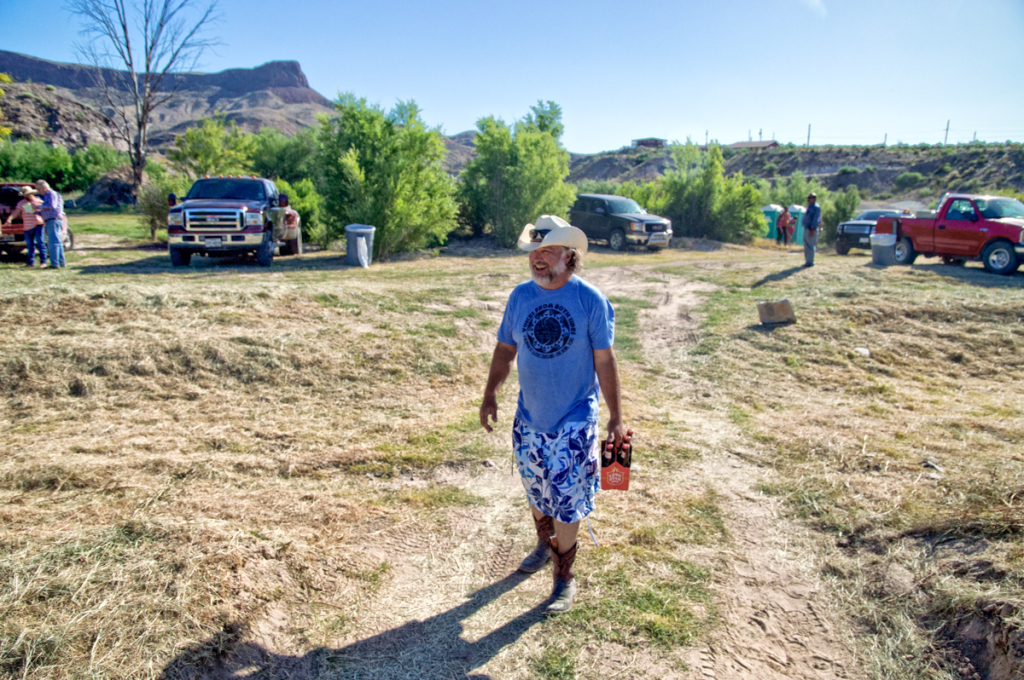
x=276 y=94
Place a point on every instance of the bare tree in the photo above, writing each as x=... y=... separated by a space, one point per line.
x=173 y=35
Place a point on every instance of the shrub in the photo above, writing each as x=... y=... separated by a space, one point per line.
x=152 y=202
x=848 y=170
x=908 y=180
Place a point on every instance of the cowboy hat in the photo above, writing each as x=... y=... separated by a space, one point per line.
x=558 y=233
x=25 y=191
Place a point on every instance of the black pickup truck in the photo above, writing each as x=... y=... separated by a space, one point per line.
x=223 y=216
x=620 y=221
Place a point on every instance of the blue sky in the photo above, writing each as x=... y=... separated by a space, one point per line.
x=855 y=70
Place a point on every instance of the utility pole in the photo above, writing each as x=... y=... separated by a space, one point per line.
x=808 y=134
x=975 y=136
x=885 y=140
x=946 y=140
x=705 y=139
x=759 y=137
x=750 y=137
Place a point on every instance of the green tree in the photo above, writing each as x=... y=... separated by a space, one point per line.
x=701 y=201
x=838 y=207
x=304 y=198
x=518 y=174
x=91 y=162
x=4 y=131
x=27 y=161
x=276 y=155
x=384 y=169
x=214 y=147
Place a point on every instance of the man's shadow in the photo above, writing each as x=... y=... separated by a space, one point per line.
x=432 y=648
x=777 y=276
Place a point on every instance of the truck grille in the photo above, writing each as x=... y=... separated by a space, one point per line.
x=858 y=229
x=218 y=220
x=655 y=227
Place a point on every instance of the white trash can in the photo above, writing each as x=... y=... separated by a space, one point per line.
x=883 y=249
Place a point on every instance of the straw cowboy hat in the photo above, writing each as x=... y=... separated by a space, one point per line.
x=552 y=231
x=27 y=191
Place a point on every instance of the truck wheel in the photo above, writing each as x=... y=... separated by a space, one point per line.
x=1000 y=258
x=294 y=246
x=905 y=253
x=265 y=255
x=180 y=258
x=842 y=248
x=617 y=240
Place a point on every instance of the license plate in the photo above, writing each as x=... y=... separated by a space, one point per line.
x=865 y=240
x=212 y=242
x=657 y=237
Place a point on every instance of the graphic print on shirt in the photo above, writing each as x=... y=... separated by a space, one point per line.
x=549 y=331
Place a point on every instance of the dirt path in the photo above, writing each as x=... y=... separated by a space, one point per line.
x=452 y=605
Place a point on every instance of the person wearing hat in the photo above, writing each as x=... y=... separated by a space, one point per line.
x=559 y=329
x=52 y=211
x=812 y=221
x=28 y=210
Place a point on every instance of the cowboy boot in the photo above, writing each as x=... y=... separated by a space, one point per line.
x=565 y=584
x=541 y=554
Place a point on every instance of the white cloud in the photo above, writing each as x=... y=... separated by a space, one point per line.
x=818 y=6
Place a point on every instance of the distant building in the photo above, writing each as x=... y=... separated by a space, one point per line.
x=650 y=142
x=770 y=144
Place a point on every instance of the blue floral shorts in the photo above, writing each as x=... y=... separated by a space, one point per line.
x=560 y=470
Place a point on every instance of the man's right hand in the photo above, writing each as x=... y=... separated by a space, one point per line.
x=489 y=412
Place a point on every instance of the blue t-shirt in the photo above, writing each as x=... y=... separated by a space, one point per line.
x=555 y=333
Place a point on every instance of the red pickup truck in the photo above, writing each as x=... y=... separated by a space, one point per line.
x=12 y=236
x=965 y=227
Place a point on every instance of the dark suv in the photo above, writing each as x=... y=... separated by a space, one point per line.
x=620 y=221
x=856 y=233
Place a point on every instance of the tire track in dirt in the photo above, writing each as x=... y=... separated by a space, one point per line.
x=772 y=624
x=450 y=605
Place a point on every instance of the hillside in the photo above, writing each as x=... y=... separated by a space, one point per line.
x=966 y=167
x=276 y=94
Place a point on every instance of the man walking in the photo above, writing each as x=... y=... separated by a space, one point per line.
x=812 y=220
x=561 y=329
x=52 y=212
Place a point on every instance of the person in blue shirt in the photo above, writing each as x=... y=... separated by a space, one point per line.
x=812 y=223
x=559 y=329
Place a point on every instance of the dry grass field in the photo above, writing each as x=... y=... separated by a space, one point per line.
x=226 y=471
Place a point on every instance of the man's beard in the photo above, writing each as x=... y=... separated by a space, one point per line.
x=552 y=273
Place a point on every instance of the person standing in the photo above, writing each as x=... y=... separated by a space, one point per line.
x=783 y=227
x=28 y=210
x=812 y=222
x=560 y=330
x=52 y=211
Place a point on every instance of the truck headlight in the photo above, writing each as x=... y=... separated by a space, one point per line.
x=174 y=219
x=253 y=219
x=1021 y=237
x=636 y=226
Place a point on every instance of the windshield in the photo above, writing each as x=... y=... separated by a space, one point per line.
x=624 y=205
x=239 y=189
x=994 y=208
x=874 y=214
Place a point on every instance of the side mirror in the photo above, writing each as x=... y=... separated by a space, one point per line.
x=600 y=211
x=282 y=200
x=172 y=200
x=974 y=217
